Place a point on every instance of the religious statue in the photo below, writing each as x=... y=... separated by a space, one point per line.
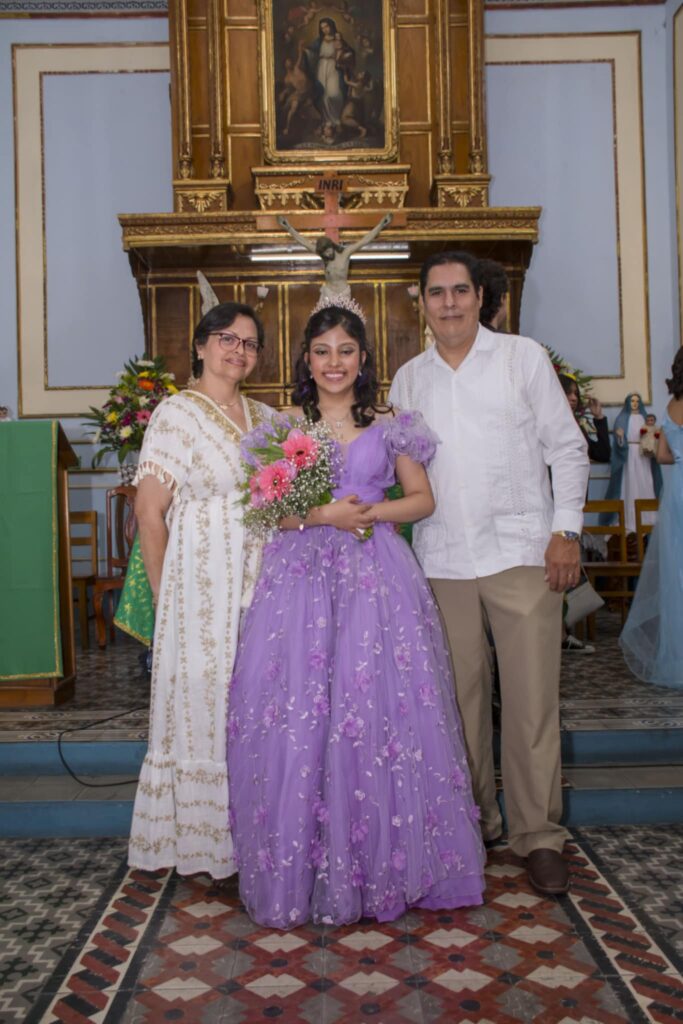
x=633 y=473
x=335 y=257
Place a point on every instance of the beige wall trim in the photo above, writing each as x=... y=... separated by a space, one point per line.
x=29 y=63
x=678 y=151
x=622 y=49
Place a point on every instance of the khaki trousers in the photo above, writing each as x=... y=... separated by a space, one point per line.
x=525 y=620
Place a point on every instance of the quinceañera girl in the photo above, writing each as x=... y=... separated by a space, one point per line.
x=349 y=789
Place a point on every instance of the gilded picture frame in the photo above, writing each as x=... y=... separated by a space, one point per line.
x=328 y=81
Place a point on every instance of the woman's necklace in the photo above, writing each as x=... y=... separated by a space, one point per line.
x=337 y=426
x=229 y=405
x=224 y=405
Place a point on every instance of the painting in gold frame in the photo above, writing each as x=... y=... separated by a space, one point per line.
x=328 y=80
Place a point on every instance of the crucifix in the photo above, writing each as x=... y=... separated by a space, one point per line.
x=335 y=256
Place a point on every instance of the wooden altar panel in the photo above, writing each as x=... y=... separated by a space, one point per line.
x=199 y=99
x=239 y=8
x=242 y=47
x=221 y=38
x=413 y=60
x=219 y=49
x=245 y=152
x=401 y=326
x=416 y=147
x=459 y=84
x=408 y=7
x=172 y=319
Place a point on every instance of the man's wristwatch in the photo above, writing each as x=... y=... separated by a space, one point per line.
x=567 y=534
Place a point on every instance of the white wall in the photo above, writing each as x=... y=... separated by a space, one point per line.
x=104 y=149
x=550 y=142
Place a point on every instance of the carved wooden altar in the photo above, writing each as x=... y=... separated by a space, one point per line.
x=228 y=169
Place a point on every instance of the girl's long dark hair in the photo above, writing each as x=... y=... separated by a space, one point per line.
x=366 y=385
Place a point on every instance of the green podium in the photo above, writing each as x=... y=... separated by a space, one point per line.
x=37 y=651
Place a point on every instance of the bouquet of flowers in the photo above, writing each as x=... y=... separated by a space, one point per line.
x=290 y=466
x=584 y=382
x=121 y=423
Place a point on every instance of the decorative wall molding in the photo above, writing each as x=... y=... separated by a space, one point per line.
x=622 y=50
x=79 y=8
x=30 y=63
x=678 y=150
x=516 y=5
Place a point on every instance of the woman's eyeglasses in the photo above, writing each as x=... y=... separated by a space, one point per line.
x=229 y=342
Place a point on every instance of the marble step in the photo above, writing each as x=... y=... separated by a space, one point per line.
x=57 y=805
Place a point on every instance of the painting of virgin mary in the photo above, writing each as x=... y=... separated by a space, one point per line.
x=329 y=75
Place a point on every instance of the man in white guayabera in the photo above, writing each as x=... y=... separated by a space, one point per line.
x=501 y=546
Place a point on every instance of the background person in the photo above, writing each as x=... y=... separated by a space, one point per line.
x=590 y=418
x=652 y=639
x=495 y=284
x=593 y=425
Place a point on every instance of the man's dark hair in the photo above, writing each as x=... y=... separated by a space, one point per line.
x=438 y=259
x=496 y=285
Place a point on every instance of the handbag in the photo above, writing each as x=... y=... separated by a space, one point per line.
x=581 y=601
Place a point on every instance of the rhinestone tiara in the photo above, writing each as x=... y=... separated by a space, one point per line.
x=343 y=302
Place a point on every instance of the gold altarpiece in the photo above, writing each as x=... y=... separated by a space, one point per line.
x=228 y=175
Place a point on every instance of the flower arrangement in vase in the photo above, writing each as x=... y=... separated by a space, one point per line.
x=119 y=426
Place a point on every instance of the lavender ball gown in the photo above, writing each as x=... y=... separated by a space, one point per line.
x=349 y=789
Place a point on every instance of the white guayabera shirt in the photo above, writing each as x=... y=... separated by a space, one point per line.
x=503 y=419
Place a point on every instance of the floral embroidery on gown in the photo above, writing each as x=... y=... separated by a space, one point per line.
x=349 y=789
x=181 y=804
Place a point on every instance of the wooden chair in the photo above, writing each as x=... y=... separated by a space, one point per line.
x=642 y=507
x=84 y=565
x=620 y=570
x=121 y=528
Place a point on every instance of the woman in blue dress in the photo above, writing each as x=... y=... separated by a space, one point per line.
x=652 y=639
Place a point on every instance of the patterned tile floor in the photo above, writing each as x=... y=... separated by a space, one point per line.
x=597 y=691
x=83 y=939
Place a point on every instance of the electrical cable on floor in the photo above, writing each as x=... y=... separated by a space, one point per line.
x=81 y=728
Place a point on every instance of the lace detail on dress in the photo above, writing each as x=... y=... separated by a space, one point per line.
x=408 y=434
x=149 y=468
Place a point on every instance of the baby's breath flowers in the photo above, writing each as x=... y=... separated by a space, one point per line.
x=291 y=466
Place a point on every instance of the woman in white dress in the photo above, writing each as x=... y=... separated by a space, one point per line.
x=198 y=565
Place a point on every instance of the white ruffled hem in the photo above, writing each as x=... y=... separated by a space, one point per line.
x=180 y=818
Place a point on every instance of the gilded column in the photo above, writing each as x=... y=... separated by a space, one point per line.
x=199 y=183
x=449 y=188
x=443 y=62
x=180 y=90
x=477 y=161
x=216 y=55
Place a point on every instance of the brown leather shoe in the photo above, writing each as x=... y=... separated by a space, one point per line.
x=548 y=872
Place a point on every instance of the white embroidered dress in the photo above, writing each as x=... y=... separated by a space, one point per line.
x=181 y=808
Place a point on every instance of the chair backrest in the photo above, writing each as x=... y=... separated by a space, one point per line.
x=618 y=529
x=121 y=528
x=85 y=564
x=642 y=507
